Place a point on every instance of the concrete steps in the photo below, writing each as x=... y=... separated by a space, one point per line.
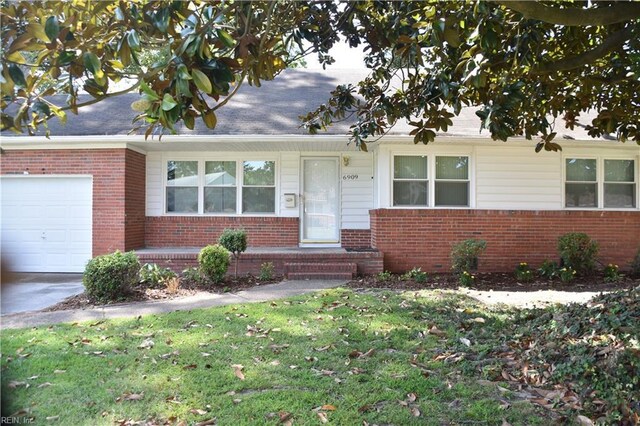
x=320 y=270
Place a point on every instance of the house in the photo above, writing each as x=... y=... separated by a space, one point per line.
x=92 y=189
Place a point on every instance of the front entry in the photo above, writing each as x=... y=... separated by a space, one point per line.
x=320 y=204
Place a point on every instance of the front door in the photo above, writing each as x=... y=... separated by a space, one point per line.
x=320 y=204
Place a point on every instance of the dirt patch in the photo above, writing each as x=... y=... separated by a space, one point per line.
x=494 y=282
x=187 y=288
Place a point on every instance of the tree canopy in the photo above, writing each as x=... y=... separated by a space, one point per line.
x=523 y=64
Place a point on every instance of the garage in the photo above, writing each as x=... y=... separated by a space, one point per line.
x=46 y=222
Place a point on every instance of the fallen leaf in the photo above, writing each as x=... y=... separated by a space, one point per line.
x=15 y=384
x=132 y=396
x=584 y=421
x=415 y=412
x=52 y=418
x=465 y=341
x=328 y=407
x=237 y=370
x=479 y=320
x=59 y=371
x=411 y=397
x=197 y=411
x=322 y=416
x=205 y=354
x=275 y=362
x=190 y=367
x=436 y=332
x=44 y=385
x=208 y=422
x=146 y=344
x=284 y=416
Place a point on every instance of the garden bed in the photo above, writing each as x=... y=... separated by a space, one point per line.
x=143 y=293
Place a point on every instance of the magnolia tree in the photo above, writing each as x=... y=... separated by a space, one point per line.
x=522 y=64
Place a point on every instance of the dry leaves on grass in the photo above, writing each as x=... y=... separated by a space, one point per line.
x=237 y=371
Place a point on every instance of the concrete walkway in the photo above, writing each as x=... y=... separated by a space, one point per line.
x=200 y=300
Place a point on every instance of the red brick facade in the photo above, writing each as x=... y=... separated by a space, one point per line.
x=355 y=238
x=118 y=188
x=423 y=238
x=190 y=231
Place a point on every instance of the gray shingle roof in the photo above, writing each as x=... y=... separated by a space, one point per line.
x=272 y=109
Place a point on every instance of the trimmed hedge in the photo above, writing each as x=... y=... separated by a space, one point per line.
x=109 y=277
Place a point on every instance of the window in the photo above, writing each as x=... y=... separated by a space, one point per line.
x=258 y=187
x=182 y=186
x=581 y=185
x=220 y=187
x=586 y=179
x=410 y=181
x=619 y=183
x=452 y=181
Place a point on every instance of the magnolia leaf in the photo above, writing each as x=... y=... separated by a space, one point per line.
x=237 y=370
x=201 y=80
x=92 y=63
x=17 y=76
x=226 y=38
x=210 y=119
x=147 y=91
x=168 y=102
x=52 y=28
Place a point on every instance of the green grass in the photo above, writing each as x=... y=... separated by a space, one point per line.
x=298 y=356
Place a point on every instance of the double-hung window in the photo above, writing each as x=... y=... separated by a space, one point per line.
x=452 y=181
x=422 y=181
x=600 y=183
x=258 y=187
x=410 y=181
x=182 y=187
x=220 y=187
x=619 y=184
x=220 y=191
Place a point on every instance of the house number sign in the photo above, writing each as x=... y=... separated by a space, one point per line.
x=350 y=177
x=355 y=177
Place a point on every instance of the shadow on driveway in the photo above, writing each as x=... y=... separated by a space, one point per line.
x=23 y=292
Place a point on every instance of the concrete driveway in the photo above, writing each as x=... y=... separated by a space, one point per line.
x=23 y=292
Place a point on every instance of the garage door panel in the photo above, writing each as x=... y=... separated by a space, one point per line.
x=57 y=208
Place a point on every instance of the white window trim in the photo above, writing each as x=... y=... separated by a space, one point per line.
x=431 y=178
x=239 y=160
x=600 y=181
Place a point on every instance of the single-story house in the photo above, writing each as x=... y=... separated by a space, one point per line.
x=92 y=188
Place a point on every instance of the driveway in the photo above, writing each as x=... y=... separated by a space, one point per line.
x=24 y=292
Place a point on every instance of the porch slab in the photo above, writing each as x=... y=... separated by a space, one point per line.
x=179 y=258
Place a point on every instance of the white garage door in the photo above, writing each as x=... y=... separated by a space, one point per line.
x=46 y=222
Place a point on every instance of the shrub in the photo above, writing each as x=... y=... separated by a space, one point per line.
x=612 y=274
x=109 y=277
x=578 y=251
x=549 y=269
x=172 y=285
x=415 y=274
x=383 y=276
x=193 y=275
x=214 y=262
x=523 y=272
x=266 y=271
x=464 y=255
x=466 y=279
x=234 y=240
x=567 y=274
x=154 y=276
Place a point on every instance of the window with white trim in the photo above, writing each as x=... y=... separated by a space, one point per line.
x=587 y=178
x=410 y=181
x=182 y=187
x=452 y=181
x=259 y=187
x=581 y=182
x=220 y=191
x=619 y=184
x=220 y=187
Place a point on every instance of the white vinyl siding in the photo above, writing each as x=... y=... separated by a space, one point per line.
x=517 y=178
x=357 y=194
x=154 y=189
x=289 y=182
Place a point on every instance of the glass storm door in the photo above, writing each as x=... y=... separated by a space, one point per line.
x=320 y=204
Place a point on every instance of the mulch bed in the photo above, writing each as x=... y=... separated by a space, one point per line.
x=187 y=288
x=495 y=282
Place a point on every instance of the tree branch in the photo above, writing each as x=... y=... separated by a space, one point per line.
x=573 y=16
x=614 y=41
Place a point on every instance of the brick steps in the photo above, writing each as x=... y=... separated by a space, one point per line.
x=320 y=270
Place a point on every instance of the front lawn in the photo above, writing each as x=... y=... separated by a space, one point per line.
x=337 y=357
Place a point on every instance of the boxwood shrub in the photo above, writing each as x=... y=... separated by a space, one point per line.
x=214 y=262
x=110 y=277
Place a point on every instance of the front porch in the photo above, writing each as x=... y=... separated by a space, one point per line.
x=291 y=262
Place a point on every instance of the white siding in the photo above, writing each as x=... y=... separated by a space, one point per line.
x=154 y=184
x=289 y=182
x=357 y=194
x=518 y=178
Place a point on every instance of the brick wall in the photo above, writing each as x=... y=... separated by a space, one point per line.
x=423 y=238
x=134 y=193
x=189 y=231
x=355 y=238
x=110 y=169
